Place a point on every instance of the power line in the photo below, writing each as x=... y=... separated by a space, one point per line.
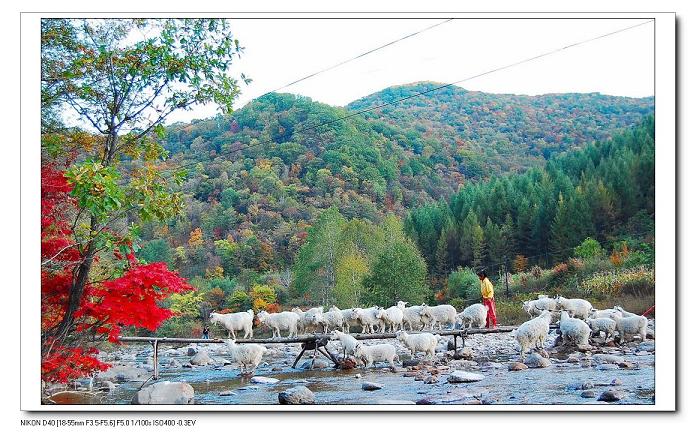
x=418 y=94
x=410 y=35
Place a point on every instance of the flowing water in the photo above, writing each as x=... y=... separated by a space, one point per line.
x=559 y=383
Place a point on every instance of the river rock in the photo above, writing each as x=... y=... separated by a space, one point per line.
x=464 y=353
x=299 y=395
x=607 y=367
x=534 y=360
x=517 y=366
x=588 y=394
x=201 y=359
x=318 y=364
x=430 y=380
x=459 y=376
x=227 y=393
x=190 y=351
x=371 y=386
x=411 y=362
x=264 y=380
x=425 y=401
x=610 y=396
x=122 y=374
x=608 y=359
x=165 y=393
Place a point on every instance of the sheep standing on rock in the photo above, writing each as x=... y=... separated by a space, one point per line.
x=233 y=322
x=392 y=317
x=602 y=324
x=440 y=315
x=574 y=331
x=285 y=321
x=578 y=308
x=425 y=342
x=347 y=342
x=246 y=355
x=533 y=333
x=474 y=316
x=367 y=318
x=628 y=327
x=370 y=355
x=412 y=316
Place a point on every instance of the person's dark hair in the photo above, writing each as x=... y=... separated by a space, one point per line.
x=482 y=273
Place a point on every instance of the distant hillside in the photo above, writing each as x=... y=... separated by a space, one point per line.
x=487 y=134
x=259 y=178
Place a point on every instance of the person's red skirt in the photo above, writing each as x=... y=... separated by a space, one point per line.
x=490 y=319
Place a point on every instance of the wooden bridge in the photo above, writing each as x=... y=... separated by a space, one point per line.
x=316 y=342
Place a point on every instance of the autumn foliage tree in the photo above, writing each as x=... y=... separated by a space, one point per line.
x=121 y=78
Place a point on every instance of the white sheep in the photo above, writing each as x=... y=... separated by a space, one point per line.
x=439 y=315
x=533 y=333
x=246 y=355
x=233 y=322
x=286 y=321
x=604 y=314
x=625 y=313
x=367 y=318
x=573 y=330
x=348 y=321
x=333 y=319
x=602 y=324
x=425 y=342
x=628 y=327
x=348 y=342
x=370 y=355
x=474 y=316
x=535 y=307
x=578 y=308
x=412 y=316
x=392 y=317
x=310 y=320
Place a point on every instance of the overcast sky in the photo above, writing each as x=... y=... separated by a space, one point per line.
x=280 y=51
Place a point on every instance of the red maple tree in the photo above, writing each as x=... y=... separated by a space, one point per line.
x=131 y=299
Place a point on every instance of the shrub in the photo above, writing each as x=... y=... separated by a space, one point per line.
x=238 y=301
x=458 y=303
x=519 y=264
x=589 y=248
x=463 y=284
x=638 y=281
x=536 y=272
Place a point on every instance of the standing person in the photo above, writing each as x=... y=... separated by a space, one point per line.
x=488 y=299
x=206 y=330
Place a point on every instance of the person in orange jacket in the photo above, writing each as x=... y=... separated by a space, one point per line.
x=488 y=299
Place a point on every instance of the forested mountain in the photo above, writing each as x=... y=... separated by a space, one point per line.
x=486 y=134
x=259 y=178
x=605 y=191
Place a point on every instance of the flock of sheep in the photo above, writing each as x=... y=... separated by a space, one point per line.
x=577 y=321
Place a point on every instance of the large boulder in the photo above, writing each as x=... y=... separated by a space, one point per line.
x=122 y=374
x=459 y=376
x=299 y=395
x=534 y=360
x=201 y=359
x=165 y=393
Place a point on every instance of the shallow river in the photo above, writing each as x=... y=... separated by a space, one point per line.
x=556 y=384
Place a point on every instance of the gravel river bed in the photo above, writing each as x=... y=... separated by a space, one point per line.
x=604 y=374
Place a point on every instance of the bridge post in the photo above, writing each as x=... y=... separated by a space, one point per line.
x=155 y=358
